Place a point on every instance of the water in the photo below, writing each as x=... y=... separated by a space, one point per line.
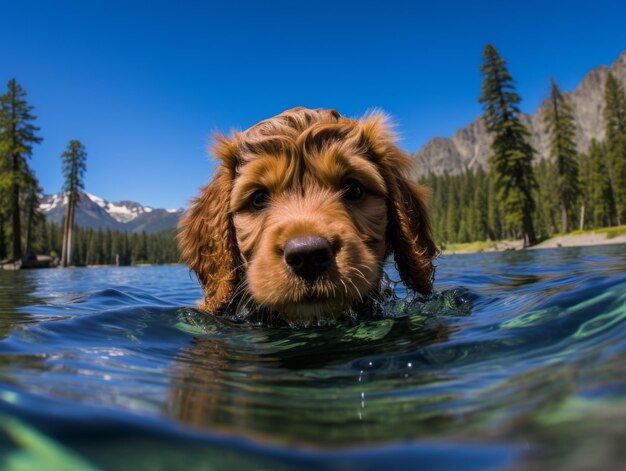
x=518 y=362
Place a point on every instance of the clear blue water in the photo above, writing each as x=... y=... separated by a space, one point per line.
x=517 y=362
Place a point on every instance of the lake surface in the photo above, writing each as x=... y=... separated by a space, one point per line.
x=517 y=362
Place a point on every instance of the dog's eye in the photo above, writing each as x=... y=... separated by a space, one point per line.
x=259 y=199
x=352 y=190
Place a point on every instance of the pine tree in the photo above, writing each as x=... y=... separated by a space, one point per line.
x=17 y=136
x=615 y=122
x=74 y=166
x=548 y=208
x=434 y=202
x=452 y=216
x=604 y=211
x=33 y=216
x=4 y=202
x=512 y=155
x=559 y=124
x=466 y=194
x=494 y=216
x=615 y=110
x=438 y=204
x=3 y=247
x=586 y=185
x=480 y=205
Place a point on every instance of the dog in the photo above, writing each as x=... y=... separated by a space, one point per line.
x=301 y=214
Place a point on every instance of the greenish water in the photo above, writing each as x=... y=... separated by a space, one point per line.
x=517 y=362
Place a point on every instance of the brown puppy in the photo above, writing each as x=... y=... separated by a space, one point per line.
x=301 y=214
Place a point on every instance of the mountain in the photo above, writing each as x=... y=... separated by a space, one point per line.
x=94 y=212
x=469 y=147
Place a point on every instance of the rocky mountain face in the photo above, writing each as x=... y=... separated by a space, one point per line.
x=469 y=147
x=94 y=212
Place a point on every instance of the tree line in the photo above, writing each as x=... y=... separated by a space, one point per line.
x=19 y=187
x=108 y=247
x=516 y=197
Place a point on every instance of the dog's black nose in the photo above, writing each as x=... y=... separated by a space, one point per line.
x=308 y=256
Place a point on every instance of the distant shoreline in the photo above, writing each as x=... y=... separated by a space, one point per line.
x=613 y=235
x=139 y=265
x=14 y=266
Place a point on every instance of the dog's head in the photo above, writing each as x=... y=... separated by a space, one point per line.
x=301 y=214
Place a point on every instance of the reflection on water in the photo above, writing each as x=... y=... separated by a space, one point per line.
x=323 y=386
x=16 y=291
x=519 y=359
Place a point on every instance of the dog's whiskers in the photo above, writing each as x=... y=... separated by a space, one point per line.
x=358 y=291
x=360 y=275
x=243 y=297
x=345 y=286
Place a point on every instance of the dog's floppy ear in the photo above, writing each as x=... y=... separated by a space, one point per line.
x=408 y=232
x=207 y=237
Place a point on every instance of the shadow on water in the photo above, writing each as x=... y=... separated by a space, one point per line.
x=327 y=386
x=17 y=290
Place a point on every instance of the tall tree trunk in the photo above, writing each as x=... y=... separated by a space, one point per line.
x=63 y=248
x=582 y=217
x=69 y=246
x=529 y=232
x=17 y=227
x=29 y=224
x=564 y=217
x=69 y=234
x=15 y=187
x=65 y=234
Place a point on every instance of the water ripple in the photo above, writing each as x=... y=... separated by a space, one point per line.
x=513 y=348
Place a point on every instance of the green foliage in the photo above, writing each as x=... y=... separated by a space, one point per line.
x=463 y=208
x=32 y=214
x=611 y=232
x=615 y=109
x=497 y=92
x=559 y=124
x=479 y=209
x=107 y=247
x=17 y=136
x=511 y=159
x=494 y=212
x=459 y=206
x=74 y=166
x=547 y=213
x=601 y=191
x=614 y=232
x=615 y=122
x=469 y=247
x=17 y=132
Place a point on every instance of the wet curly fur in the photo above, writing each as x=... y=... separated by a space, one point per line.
x=302 y=161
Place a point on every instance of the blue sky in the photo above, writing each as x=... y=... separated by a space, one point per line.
x=144 y=84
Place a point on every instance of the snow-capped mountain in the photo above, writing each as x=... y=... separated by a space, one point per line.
x=97 y=213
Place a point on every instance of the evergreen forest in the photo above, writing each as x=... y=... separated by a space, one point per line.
x=107 y=247
x=519 y=196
